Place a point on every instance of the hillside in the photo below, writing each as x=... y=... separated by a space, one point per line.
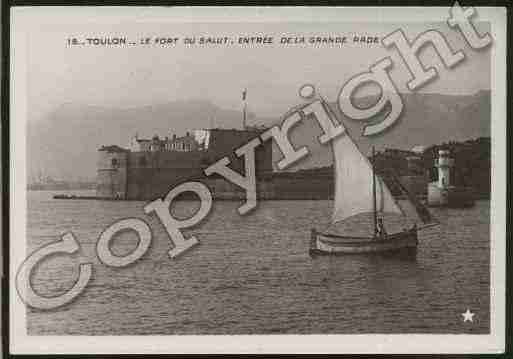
x=426 y=119
x=64 y=144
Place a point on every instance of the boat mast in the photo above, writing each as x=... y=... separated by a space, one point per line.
x=374 y=194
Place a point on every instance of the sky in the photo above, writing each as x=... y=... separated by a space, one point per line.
x=135 y=76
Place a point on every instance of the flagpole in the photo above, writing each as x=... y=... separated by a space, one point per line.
x=244 y=116
x=244 y=109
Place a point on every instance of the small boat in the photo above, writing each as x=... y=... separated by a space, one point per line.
x=405 y=242
x=358 y=189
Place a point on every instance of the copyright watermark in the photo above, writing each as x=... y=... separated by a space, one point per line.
x=389 y=104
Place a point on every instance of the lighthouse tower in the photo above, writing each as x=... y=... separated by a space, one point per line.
x=444 y=164
x=442 y=192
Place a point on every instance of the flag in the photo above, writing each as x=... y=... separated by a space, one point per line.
x=244 y=95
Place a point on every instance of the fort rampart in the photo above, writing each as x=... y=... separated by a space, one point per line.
x=146 y=175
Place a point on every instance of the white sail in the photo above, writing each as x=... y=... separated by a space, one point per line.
x=353 y=183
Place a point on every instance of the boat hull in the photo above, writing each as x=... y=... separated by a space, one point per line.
x=402 y=242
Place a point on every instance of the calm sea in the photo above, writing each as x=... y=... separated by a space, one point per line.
x=253 y=275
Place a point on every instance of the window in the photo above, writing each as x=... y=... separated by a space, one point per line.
x=142 y=161
x=114 y=162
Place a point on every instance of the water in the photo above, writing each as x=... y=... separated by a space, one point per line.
x=253 y=275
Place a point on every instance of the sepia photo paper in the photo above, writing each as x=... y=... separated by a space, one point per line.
x=257 y=180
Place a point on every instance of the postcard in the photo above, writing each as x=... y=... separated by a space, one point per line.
x=257 y=180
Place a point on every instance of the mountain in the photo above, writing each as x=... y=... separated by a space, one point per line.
x=65 y=143
x=426 y=119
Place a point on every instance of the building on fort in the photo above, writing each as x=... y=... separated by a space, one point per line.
x=149 y=168
x=185 y=143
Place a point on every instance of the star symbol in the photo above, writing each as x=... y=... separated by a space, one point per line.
x=468 y=315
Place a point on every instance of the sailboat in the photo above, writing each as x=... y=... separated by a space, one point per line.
x=358 y=189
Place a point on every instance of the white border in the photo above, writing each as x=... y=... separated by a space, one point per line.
x=24 y=19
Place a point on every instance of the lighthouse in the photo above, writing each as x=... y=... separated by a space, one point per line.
x=444 y=164
x=442 y=193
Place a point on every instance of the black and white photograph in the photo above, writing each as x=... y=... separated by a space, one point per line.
x=257 y=180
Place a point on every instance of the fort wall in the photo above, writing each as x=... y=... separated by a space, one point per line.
x=148 y=175
x=152 y=174
x=276 y=188
x=111 y=178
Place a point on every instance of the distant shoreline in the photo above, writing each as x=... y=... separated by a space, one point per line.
x=72 y=196
x=61 y=187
